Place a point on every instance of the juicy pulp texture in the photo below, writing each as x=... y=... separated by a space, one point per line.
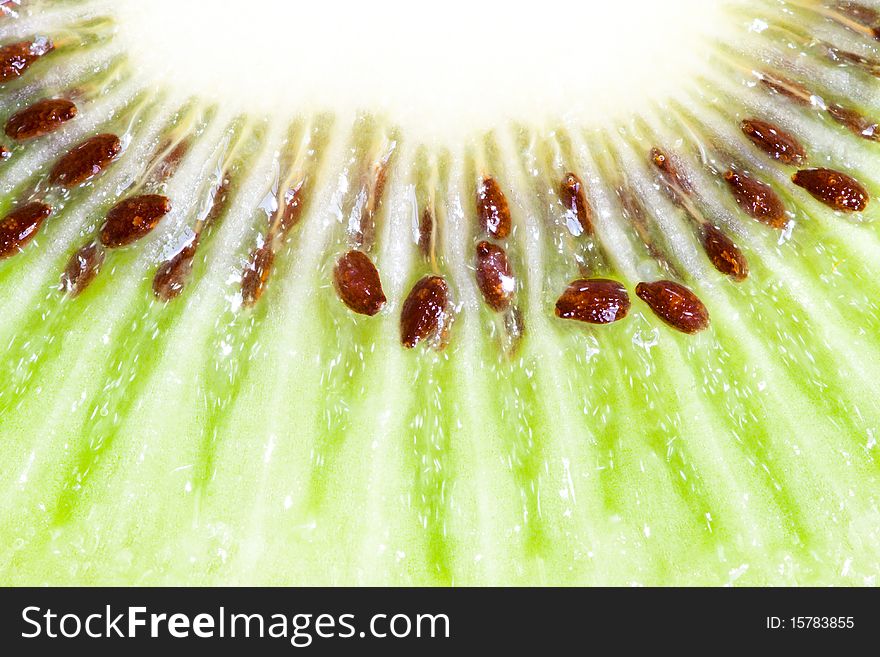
x=206 y=440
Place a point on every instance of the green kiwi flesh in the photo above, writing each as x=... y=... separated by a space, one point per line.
x=242 y=352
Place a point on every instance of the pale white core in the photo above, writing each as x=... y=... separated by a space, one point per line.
x=440 y=65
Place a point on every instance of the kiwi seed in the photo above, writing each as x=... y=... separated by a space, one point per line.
x=16 y=58
x=82 y=268
x=675 y=304
x=424 y=311
x=495 y=276
x=833 y=188
x=757 y=199
x=358 y=284
x=21 y=226
x=493 y=209
x=39 y=119
x=86 y=160
x=225 y=391
x=133 y=218
x=594 y=301
x=774 y=141
x=574 y=199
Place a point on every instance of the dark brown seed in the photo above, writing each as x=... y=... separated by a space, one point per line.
x=774 y=141
x=857 y=124
x=17 y=57
x=675 y=304
x=424 y=310
x=495 y=276
x=594 y=301
x=256 y=274
x=172 y=275
x=86 y=160
x=493 y=210
x=5 y=153
x=39 y=119
x=756 y=199
x=426 y=232
x=724 y=254
x=833 y=188
x=293 y=205
x=133 y=218
x=670 y=170
x=358 y=284
x=82 y=268
x=575 y=199
x=21 y=226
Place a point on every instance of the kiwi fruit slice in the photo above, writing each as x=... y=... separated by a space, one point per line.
x=307 y=347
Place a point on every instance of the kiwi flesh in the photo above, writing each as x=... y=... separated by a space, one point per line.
x=239 y=350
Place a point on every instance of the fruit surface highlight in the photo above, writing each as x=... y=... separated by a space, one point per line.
x=584 y=298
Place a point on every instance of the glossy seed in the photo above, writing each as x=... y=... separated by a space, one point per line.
x=424 y=311
x=256 y=274
x=133 y=218
x=426 y=232
x=495 y=276
x=15 y=58
x=358 y=284
x=86 y=160
x=594 y=301
x=5 y=153
x=774 y=141
x=172 y=275
x=833 y=188
x=724 y=254
x=290 y=217
x=21 y=226
x=670 y=170
x=853 y=121
x=82 y=268
x=493 y=209
x=575 y=200
x=756 y=199
x=39 y=119
x=675 y=304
